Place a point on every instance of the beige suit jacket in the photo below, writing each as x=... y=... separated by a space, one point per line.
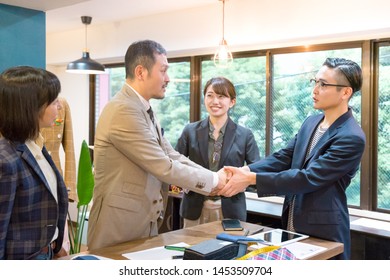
x=133 y=165
x=61 y=133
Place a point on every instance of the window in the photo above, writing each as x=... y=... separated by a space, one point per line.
x=173 y=110
x=383 y=149
x=292 y=100
x=107 y=85
x=248 y=77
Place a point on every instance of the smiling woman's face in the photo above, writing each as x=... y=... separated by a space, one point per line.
x=217 y=105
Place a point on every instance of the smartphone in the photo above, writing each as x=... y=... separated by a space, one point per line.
x=231 y=224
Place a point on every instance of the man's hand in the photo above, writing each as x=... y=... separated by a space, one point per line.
x=223 y=178
x=239 y=180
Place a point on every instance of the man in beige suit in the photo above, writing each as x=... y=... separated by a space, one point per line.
x=133 y=161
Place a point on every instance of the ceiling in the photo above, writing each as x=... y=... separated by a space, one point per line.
x=64 y=15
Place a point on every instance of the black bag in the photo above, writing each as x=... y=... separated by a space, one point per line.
x=214 y=249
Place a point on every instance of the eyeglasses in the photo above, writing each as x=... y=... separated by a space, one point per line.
x=217 y=151
x=323 y=85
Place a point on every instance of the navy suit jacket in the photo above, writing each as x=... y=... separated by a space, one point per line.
x=29 y=213
x=239 y=147
x=320 y=181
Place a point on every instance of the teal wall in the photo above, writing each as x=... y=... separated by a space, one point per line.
x=22 y=37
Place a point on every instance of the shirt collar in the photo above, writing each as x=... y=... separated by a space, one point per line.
x=223 y=128
x=143 y=100
x=35 y=146
x=39 y=141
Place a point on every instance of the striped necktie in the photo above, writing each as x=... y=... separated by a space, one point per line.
x=150 y=112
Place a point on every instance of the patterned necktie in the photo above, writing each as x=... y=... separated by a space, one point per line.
x=150 y=112
x=151 y=115
x=290 y=224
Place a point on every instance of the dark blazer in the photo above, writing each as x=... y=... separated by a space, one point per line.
x=320 y=182
x=29 y=213
x=239 y=147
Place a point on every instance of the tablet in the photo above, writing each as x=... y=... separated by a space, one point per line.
x=279 y=237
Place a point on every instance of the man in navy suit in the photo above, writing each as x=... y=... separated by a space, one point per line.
x=316 y=167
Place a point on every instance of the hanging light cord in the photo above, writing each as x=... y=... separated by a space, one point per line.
x=223 y=20
x=86 y=46
x=86 y=20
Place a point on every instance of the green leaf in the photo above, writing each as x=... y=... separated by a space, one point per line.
x=85 y=180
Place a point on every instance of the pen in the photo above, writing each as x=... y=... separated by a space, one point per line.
x=175 y=248
x=257 y=231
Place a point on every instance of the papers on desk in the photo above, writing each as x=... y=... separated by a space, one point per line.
x=299 y=249
x=157 y=253
x=304 y=250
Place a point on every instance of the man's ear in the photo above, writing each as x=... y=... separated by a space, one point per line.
x=139 y=72
x=347 y=93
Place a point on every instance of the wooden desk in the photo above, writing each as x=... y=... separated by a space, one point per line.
x=196 y=235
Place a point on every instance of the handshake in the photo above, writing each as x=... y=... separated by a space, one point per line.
x=233 y=180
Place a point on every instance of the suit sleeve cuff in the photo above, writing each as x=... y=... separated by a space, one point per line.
x=215 y=179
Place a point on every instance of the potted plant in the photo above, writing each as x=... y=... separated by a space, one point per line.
x=85 y=185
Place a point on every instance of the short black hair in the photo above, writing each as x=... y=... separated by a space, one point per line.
x=142 y=53
x=24 y=92
x=350 y=70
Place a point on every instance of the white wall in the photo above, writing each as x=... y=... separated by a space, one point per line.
x=249 y=24
x=75 y=88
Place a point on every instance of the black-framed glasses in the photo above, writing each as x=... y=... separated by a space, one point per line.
x=323 y=85
x=217 y=151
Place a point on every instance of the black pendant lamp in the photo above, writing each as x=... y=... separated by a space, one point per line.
x=85 y=65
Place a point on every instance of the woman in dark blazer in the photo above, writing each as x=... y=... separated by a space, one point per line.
x=213 y=143
x=33 y=196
